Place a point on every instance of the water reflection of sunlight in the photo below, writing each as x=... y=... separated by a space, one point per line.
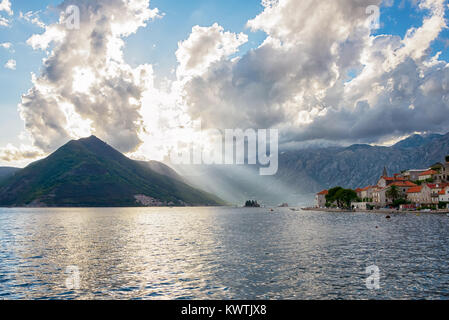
x=177 y=251
x=146 y=253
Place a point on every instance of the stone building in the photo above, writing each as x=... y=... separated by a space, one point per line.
x=320 y=199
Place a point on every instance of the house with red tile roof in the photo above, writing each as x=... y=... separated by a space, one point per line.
x=402 y=187
x=420 y=195
x=413 y=174
x=379 y=196
x=386 y=181
x=414 y=194
x=443 y=171
x=398 y=177
x=320 y=199
x=367 y=192
x=429 y=174
x=416 y=189
x=359 y=192
x=435 y=190
x=403 y=184
x=443 y=195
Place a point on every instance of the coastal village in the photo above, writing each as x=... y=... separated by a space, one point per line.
x=411 y=190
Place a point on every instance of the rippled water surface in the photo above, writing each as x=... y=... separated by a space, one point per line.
x=221 y=253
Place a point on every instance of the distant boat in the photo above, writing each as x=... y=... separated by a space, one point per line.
x=284 y=205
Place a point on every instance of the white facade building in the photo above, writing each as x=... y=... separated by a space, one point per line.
x=444 y=195
x=320 y=199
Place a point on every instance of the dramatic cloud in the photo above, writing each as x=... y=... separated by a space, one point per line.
x=166 y=121
x=309 y=48
x=299 y=79
x=204 y=47
x=399 y=90
x=320 y=75
x=85 y=86
x=11 y=64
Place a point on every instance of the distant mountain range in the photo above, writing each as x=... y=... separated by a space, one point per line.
x=6 y=172
x=304 y=172
x=88 y=172
x=358 y=165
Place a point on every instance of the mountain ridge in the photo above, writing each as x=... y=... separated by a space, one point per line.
x=89 y=172
x=304 y=172
x=359 y=165
x=6 y=172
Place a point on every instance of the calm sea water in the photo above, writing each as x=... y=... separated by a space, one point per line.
x=220 y=253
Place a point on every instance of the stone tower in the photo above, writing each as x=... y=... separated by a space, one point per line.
x=385 y=173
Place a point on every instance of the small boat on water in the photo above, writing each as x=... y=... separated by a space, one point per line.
x=283 y=205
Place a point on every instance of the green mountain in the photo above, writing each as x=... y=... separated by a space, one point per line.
x=88 y=172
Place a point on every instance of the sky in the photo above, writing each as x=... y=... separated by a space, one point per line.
x=139 y=73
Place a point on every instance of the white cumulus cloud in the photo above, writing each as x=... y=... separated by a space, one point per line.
x=11 y=64
x=299 y=80
x=205 y=46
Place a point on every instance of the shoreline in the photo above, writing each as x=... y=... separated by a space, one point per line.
x=109 y=207
x=386 y=211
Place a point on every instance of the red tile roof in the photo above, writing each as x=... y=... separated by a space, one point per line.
x=324 y=192
x=437 y=185
x=442 y=192
x=416 y=189
x=428 y=173
x=406 y=184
